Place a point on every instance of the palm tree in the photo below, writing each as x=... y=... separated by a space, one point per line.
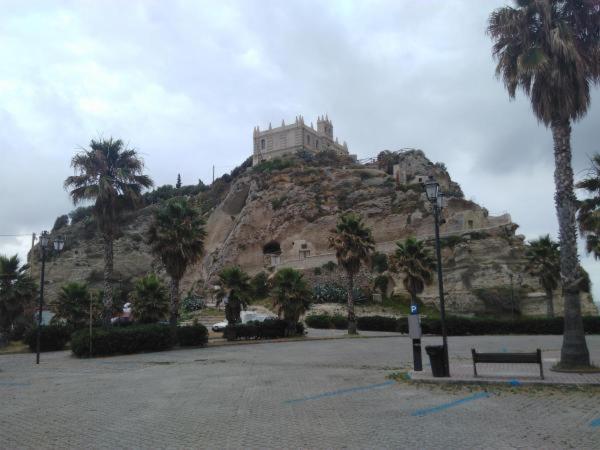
x=291 y=296
x=177 y=237
x=588 y=215
x=353 y=245
x=235 y=291
x=110 y=175
x=550 y=49
x=543 y=257
x=72 y=304
x=17 y=291
x=149 y=300
x=412 y=259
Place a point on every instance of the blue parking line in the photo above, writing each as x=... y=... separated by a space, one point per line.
x=595 y=422
x=341 y=392
x=426 y=411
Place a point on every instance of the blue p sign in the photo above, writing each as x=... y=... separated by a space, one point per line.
x=414 y=309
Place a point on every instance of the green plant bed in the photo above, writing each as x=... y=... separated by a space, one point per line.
x=322 y=321
x=191 y=336
x=461 y=326
x=52 y=338
x=121 y=340
x=268 y=329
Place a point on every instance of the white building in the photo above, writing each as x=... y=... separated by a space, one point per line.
x=288 y=139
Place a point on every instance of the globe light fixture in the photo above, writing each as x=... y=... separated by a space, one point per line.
x=432 y=188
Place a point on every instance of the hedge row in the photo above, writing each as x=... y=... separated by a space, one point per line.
x=134 y=339
x=326 y=321
x=462 y=326
x=268 y=329
x=52 y=338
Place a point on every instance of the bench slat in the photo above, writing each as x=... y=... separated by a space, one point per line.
x=517 y=358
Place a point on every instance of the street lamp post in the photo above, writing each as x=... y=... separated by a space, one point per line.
x=58 y=244
x=435 y=196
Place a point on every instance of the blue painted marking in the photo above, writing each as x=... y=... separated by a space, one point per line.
x=341 y=392
x=595 y=422
x=514 y=383
x=426 y=411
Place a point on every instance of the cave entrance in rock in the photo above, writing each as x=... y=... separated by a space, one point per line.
x=272 y=253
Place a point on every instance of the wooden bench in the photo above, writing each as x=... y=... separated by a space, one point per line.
x=508 y=358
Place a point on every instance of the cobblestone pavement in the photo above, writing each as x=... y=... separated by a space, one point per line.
x=312 y=394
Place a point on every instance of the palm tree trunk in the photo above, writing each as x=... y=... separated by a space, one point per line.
x=549 y=303
x=574 y=350
x=351 y=316
x=174 y=306
x=108 y=277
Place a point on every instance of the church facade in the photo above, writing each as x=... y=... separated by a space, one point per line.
x=288 y=139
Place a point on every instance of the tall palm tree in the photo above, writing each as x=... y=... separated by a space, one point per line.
x=412 y=259
x=177 y=236
x=353 y=244
x=17 y=291
x=543 y=257
x=110 y=175
x=291 y=296
x=588 y=215
x=550 y=49
x=235 y=291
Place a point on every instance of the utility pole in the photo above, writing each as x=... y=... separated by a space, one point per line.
x=213 y=174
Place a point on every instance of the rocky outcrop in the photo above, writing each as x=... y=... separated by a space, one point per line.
x=273 y=216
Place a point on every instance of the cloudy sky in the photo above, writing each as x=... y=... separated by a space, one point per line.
x=184 y=82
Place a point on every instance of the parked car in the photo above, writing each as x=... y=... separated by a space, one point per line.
x=246 y=316
x=219 y=326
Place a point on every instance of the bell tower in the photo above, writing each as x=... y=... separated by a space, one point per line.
x=324 y=126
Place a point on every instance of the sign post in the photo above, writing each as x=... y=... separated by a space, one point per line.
x=414 y=332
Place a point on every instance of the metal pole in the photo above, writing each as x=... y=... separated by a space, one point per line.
x=39 y=327
x=441 y=289
x=90 y=326
x=512 y=298
x=213 y=175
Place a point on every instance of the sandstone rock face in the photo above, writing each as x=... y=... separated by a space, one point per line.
x=294 y=208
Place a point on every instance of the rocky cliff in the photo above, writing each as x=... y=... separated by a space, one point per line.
x=279 y=214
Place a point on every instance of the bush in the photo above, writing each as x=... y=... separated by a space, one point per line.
x=60 y=222
x=122 y=340
x=192 y=336
x=339 y=322
x=318 y=321
x=149 y=300
x=268 y=329
x=192 y=303
x=329 y=293
x=378 y=323
x=52 y=338
x=464 y=326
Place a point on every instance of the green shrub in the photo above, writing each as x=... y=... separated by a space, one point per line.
x=464 y=326
x=52 y=338
x=339 y=322
x=268 y=329
x=192 y=335
x=318 y=321
x=192 y=303
x=122 y=340
x=378 y=323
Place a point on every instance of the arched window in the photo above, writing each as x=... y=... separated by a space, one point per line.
x=307 y=139
x=262 y=144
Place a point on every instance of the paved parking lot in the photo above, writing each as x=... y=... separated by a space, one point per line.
x=331 y=393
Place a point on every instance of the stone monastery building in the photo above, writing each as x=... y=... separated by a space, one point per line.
x=288 y=139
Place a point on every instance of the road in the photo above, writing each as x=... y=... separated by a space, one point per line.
x=310 y=394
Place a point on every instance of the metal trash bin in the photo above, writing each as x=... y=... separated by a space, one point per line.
x=436 y=358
